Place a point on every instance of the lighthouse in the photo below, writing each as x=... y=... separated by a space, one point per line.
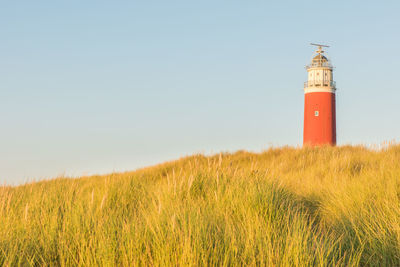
x=319 y=101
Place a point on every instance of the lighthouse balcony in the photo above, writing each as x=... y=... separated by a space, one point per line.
x=319 y=64
x=320 y=84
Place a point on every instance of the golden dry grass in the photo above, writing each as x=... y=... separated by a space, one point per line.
x=328 y=206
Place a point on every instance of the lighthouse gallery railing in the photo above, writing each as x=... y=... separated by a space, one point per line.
x=320 y=83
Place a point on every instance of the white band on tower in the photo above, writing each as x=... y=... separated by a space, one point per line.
x=319 y=90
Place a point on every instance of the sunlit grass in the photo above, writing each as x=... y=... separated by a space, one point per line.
x=285 y=207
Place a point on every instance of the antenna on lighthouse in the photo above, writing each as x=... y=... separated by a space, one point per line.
x=320 y=47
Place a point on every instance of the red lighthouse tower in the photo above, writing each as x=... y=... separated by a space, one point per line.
x=319 y=101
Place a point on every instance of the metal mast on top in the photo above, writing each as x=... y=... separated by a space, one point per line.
x=319 y=51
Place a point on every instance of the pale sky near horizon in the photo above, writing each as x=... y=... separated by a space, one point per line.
x=92 y=87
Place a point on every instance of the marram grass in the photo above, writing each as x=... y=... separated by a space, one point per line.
x=329 y=206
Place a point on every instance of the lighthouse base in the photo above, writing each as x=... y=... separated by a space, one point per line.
x=319 y=119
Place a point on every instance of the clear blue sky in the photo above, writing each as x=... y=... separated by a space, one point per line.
x=100 y=86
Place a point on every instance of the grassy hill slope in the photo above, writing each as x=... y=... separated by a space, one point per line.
x=301 y=207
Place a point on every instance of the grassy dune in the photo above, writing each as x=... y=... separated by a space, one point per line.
x=284 y=207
